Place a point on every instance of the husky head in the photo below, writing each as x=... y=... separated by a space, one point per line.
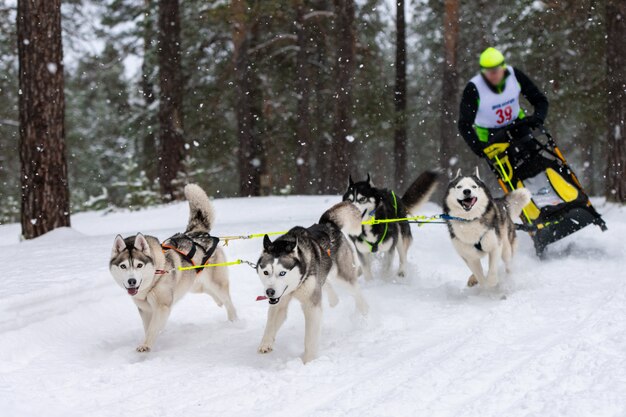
x=467 y=197
x=279 y=268
x=363 y=195
x=131 y=263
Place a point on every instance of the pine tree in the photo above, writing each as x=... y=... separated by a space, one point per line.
x=449 y=86
x=616 y=100
x=45 y=191
x=400 y=148
x=171 y=139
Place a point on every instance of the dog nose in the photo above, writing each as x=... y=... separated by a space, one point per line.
x=270 y=292
x=467 y=191
x=132 y=282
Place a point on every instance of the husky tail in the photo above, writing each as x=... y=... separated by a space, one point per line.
x=345 y=216
x=419 y=192
x=516 y=200
x=201 y=213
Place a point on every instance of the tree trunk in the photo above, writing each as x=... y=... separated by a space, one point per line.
x=400 y=98
x=250 y=153
x=303 y=130
x=148 y=154
x=342 y=160
x=171 y=140
x=449 y=87
x=45 y=191
x=321 y=81
x=616 y=100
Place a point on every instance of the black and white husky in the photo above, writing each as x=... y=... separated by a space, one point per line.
x=302 y=263
x=148 y=270
x=482 y=225
x=383 y=204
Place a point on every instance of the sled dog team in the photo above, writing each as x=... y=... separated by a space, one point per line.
x=306 y=262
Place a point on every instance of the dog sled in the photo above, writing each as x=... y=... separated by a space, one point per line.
x=521 y=156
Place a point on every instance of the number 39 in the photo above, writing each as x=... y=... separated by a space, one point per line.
x=505 y=114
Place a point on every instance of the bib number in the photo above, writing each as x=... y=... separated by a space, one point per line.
x=504 y=115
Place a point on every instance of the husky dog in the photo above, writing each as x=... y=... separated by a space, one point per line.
x=302 y=262
x=383 y=204
x=148 y=271
x=482 y=225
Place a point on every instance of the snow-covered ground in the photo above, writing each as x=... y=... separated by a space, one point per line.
x=550 y=342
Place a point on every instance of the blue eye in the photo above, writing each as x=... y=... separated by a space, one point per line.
x=282 y=273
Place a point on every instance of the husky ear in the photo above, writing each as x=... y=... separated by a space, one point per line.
x=118 y=246
x=141 y=244
x=477 y=173
x=295 y=247
x=458 y=173
x=267 y=243
x=369 y=180
x=350 y=182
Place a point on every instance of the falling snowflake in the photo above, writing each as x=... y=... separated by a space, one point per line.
x=350 y=138
x=52 y=67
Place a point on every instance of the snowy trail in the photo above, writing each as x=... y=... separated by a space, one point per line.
x=555 y=346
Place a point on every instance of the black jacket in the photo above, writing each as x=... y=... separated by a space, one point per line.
x=469 y=107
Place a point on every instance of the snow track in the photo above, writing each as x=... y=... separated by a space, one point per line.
x=551 y=341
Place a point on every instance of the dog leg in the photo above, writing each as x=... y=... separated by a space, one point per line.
x=355 y=291
x=146 y=316
x=312 y=329
x=160 y=314
x=388 y=260
x=403 y=247
x=492 y=273
x=507 y=254
x=477 y=272
x=221 y=295
x=333 y=299
x=276 y=316
x=366 y=265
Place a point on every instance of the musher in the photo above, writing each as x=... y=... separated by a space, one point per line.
x=491 y=101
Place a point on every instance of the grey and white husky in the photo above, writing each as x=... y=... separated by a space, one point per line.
x=301 y=264
x=383 y=204
x=483 y=225
x=148 y=270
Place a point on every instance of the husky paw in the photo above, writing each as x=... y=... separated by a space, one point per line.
x=308 y=357
x=492 y=282
x=143 y=348
x=401 y=274
x=265 y=348
x=472 y=281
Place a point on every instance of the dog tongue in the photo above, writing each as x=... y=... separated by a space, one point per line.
x=261 y=298
x=132 y=291
x=469 y=202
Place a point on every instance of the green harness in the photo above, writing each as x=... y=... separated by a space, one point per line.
x=374 y=246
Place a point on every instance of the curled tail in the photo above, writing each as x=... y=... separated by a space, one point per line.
x=201 y=213
x=345 y=216
x=516 y=200
x=420 y=191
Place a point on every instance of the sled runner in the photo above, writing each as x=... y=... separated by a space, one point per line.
x=559 y=205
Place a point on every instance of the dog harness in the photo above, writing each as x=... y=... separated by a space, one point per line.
x=374 y=246
x=173 y=242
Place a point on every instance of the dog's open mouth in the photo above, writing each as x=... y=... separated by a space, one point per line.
x=468 y=203
x=132 y=290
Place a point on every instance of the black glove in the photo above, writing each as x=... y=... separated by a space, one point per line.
x=532 y=121
x=498 y=136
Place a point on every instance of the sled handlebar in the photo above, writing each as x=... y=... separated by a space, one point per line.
x=502 y=134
